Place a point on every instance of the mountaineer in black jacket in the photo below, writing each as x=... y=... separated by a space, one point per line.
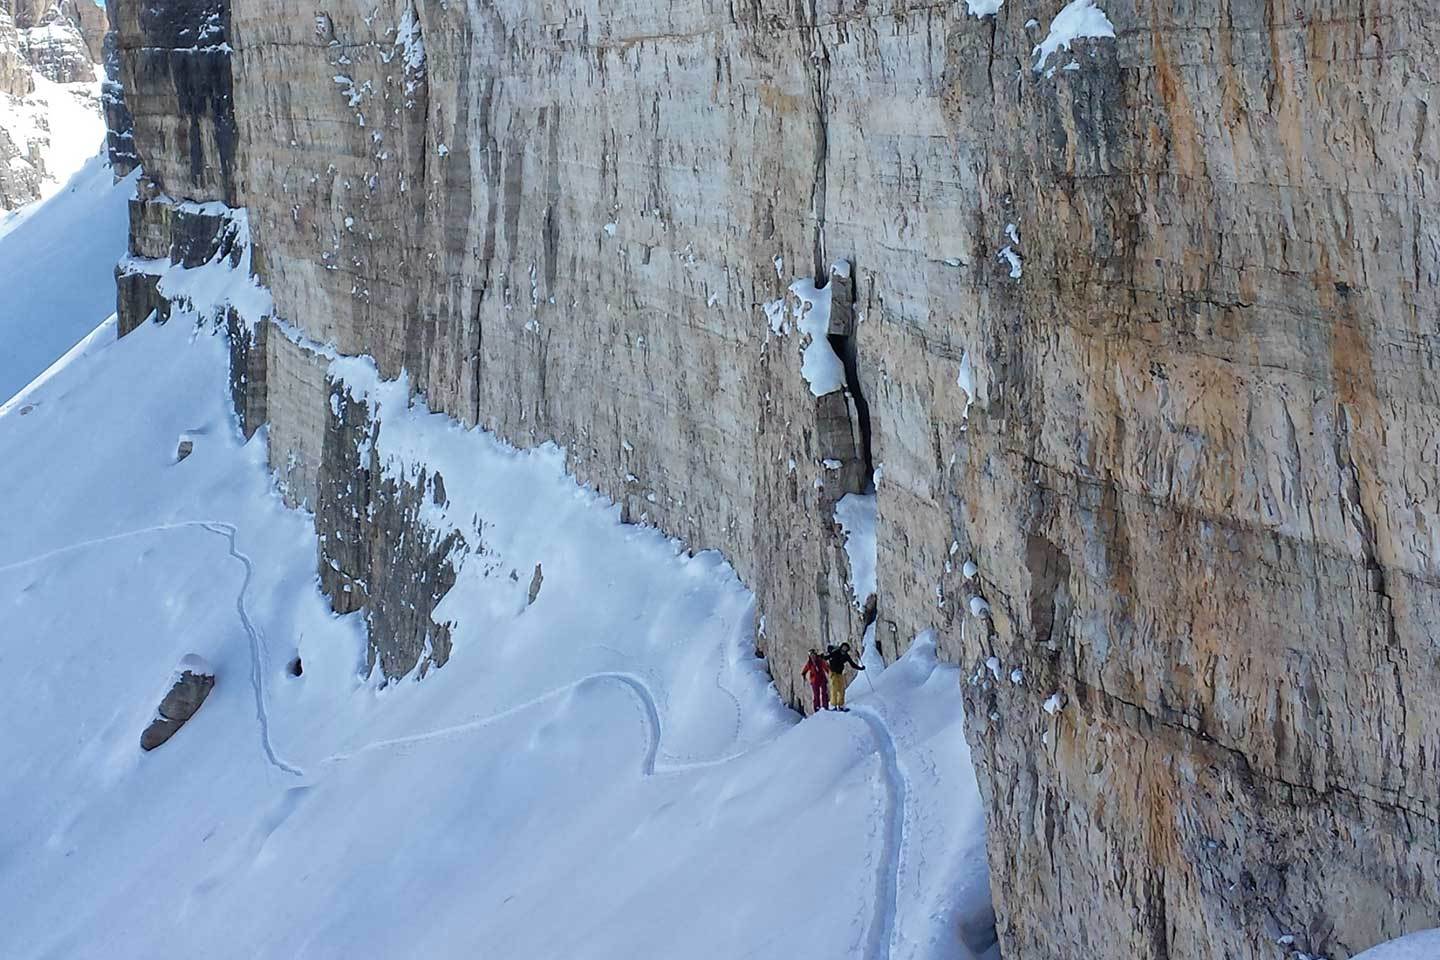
x=837 y=659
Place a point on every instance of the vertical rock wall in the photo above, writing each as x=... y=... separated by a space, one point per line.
x=175 y=72
x=119 y=125
x=1142 y=344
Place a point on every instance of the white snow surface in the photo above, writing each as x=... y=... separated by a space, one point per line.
x=984 y=8
x=965 y=380
x=196 y=664
x=1017 y=266
x=57 y=270
x=1079 y=18
x=857 y=514
x=604 y=773
x=411 y=42
x=1424 y=945
x=819 y=364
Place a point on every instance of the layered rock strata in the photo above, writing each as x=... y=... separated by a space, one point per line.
x=1138 y=332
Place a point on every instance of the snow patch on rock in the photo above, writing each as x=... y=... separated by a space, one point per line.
x=1079 y=18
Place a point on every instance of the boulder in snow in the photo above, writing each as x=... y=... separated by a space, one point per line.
x=189 y=687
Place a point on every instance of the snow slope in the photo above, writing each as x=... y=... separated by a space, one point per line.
x=604 y=773
x=57 y=269
x=1417 y=946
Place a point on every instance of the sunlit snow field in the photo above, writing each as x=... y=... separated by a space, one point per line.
x=604 y=773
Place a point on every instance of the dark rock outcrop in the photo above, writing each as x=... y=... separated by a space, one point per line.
x=193 y=682
x=15 y=76
x=376 y=554
x=119 y=125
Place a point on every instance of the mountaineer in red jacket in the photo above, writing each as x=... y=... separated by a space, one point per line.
x=815 y=671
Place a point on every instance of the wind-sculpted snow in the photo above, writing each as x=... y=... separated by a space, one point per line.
x=604 y=772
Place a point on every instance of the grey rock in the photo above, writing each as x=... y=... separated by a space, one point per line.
x=56 y=49
x=92 y=21
x=15 y=76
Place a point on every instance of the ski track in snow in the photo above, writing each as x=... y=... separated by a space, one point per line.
x=669 y=761
x=636 y=685
x=257 y=645
x=111 y=538
x=257 y=641
x=887 y=877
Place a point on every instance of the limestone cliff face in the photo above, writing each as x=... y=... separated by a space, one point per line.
x=1141 y=337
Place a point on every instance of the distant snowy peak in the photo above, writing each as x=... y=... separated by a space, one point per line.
x=50 y=119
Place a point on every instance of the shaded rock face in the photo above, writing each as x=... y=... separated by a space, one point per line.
x=175 y=73
x=21 y=171
x=119 y=125
x=1147 y=336
x=193 y=682
x=376 y=554
x=26 y=13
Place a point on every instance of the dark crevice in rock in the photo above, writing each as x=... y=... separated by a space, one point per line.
x=845 y=343
x=819 y=61
x=845 y=346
